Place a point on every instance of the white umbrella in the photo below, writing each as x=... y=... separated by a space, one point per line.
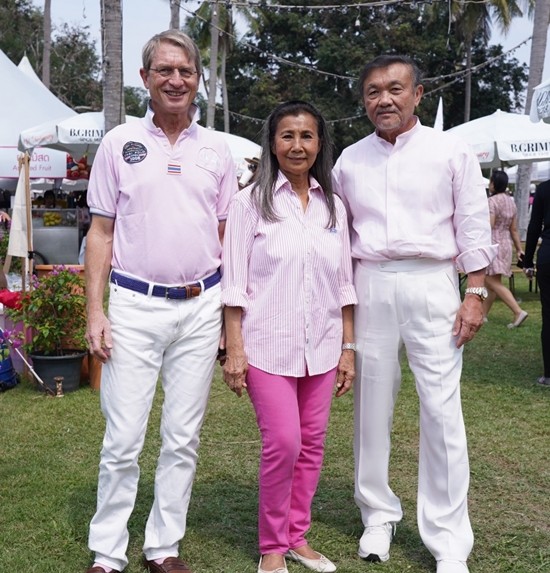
x=540 y=104
x=78 y=134
x=506 y=137
x=38 y=186
x=81 y=134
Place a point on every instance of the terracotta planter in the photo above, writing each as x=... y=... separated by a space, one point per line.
x=68 y=366
x=91 y=372
x=41 y=270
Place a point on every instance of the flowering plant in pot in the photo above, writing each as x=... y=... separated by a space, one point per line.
x=53 y=319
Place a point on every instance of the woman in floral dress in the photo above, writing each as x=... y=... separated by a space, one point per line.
x=503 y=211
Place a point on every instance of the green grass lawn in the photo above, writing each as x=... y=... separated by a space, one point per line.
x=49 y=452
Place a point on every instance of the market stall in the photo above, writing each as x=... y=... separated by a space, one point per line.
x=57 y=235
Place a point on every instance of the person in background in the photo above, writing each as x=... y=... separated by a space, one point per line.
x=158 y=195
x=504 y=232
x=247 y=176
x=49 y=200
x=539 y=227
x=5 y=219
x=532 y=189
x=83 y=217
x=418 y=210
x=288 y=296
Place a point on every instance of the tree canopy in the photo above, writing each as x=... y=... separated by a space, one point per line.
x=318 y=56
x=75 y=63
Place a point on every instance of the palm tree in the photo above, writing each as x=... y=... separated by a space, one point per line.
x=46 y=54
x=111 y=41
x=175 y=14
x=212 y=79
x=474 y=19
x=541 y=19
x=215 y=48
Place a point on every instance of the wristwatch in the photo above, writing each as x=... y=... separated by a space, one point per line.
x=480 y=291
x=349 y=346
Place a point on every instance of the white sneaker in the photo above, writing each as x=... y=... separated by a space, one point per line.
x=451 y=566
x=375 y=542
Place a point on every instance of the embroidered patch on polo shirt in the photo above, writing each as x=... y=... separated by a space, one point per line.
x=174 y=169
x=208 y=159
x=134 y=152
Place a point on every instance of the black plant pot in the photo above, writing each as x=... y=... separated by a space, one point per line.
x=68 y=366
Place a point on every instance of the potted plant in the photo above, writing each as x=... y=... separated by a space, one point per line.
x=53 y=318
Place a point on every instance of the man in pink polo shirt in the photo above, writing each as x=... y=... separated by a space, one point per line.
x=418 y=211
x=159 y=193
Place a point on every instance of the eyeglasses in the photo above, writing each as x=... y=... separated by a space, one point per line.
x=167 y=72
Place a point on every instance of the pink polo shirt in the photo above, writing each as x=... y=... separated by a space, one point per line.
x=167 y=201
x=422 y=197
x=291 y=277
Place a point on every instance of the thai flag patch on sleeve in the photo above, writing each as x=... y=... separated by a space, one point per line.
x=174 y=169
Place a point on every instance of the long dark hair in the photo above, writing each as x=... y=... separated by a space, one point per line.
x=266 y=176
x=500 y=181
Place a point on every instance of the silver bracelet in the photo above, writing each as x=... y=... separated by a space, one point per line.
x=349 y=346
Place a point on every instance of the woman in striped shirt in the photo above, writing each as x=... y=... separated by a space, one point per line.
x=288 y=296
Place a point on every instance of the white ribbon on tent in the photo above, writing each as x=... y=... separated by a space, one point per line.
x=439 y=116
x=20 y=241
x=18 y=245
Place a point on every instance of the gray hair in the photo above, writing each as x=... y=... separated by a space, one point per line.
x=177 y=38
x=385 y=61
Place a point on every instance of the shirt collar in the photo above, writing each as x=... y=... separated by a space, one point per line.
x=194 y=112
x=283 y=183
x=402 y=137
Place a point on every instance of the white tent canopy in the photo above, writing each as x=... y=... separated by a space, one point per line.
x=539 y=172
x=540 y=104
x=24 y=102
x=26 y=67
x=504 y=137
x=241 y=148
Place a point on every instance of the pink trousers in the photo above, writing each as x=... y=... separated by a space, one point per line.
x=292 y=415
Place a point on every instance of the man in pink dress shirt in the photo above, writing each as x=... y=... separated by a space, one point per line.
x=159 y=193
x=418 y=211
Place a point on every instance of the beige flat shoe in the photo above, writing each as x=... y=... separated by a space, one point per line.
x=519 y=320
x=321 y=565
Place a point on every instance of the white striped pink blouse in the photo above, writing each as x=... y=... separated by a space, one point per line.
x=291 y=278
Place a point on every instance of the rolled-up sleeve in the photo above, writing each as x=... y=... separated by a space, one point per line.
x=228 y=186
x=237 y=246
x=471 y=217
x=347 y=292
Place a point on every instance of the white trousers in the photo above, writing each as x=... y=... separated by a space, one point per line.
x=412 y=304
x=177 y=339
